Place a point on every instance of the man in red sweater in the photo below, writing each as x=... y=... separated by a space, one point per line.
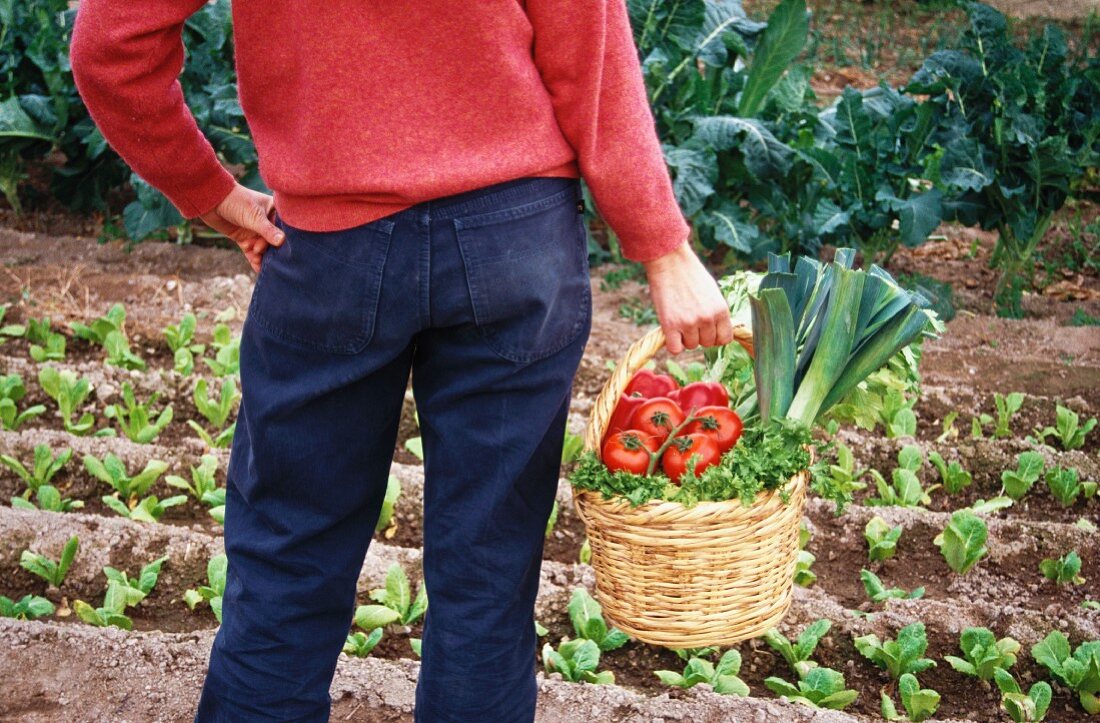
x=425 y=160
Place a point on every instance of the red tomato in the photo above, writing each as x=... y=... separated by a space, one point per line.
x=621 y=416
x=675 y=459
x=701 y=394
x=721 y=423
x=657 y=416
x=649 y=384
x=629 y=450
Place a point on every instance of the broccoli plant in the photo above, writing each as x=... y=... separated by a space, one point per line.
x=983 y=653
x=136 y=421
x=109 y=332
x=12 y=392
x=52 y=572
x=818 y=688
x=227 y=352
x=577 y=661
x=952 y=474
x=797 y=654
x=70 y=394
x=962 y=542
x=588 y=623
x=1064 y=485
x=1017 y=482
x=397 y=604
x=181 y=340
x=920 y=703
x=899 y=656
x=1006 y=406
x=905 y=489
x=1021 y=708
x=1063 y=570
x=28 y=607
x=721 y=677
x=202 y=478
x=214 y=589
x=1068 y=429
x=359 y=644
x=882 y=540
x=879 y=593
x=1080 y=672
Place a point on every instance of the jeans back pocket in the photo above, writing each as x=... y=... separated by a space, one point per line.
x=319 y=290
x=527 y=273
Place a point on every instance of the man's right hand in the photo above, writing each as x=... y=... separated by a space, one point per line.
x=246 y=216
x=687 y=300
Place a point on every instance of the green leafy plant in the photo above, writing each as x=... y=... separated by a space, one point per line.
x=899 y=656
x=1018 y=482
x=1068 y=429
x=227 y=352
x=136 y=588
x=1064 y=485
x=360 y=644
x=45 y=466
x=112 y=471
x=1006 y=406
x=48 y=499
x=70 y=394
x=904 y=489
x=1021 y=708
x=52 y=572
x=949 y=431
x=28 y=607
x=214 y=588
x=818 y=688
x=803 y=575
x=1080 y=672
x=147 y=509
x=389 y=502
x=217 y=410
x=882 y=540
x=797 y=654
x=920 y=703
x=588 y=623
x=137 y=421
x=12 y=391
x=571 y=448
x=878 y=592
x=977 y=423
x=843 y=473
x=983 y=653
x=111 y=613
x=397 y=604
x=181 y=340
x=109 y=332
x=216 y=500
x=577 y=661
x=721 y=677
x=202 y=478
x=962 y=542
x=952 y=474
x=1065 y=569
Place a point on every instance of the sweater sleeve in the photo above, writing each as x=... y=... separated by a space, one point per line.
x=126 y=59
x=586 y=56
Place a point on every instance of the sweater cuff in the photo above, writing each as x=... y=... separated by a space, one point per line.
x=655 y=241
x=198 y=194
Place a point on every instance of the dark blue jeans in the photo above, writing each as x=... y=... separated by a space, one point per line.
x=485 y=297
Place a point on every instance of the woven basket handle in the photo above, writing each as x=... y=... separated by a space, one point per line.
x=640 y=352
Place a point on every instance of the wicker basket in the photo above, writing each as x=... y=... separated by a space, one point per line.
x=712 y=574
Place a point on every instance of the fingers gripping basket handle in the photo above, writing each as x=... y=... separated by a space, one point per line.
x=640 y=352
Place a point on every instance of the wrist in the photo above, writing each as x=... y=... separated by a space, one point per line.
x=677 y=256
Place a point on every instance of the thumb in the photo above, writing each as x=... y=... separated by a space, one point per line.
x=259 y=221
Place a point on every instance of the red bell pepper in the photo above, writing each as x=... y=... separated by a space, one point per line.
x=701 y=394
x=620 y=418
x=650 y=384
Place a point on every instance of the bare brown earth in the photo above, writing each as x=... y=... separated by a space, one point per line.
x=60 y=668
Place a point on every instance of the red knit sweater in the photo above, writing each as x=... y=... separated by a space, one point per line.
x=361 y=109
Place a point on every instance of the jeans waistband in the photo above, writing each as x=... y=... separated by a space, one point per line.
x=505 y=194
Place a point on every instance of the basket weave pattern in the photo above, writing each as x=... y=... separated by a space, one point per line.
x=712 y=574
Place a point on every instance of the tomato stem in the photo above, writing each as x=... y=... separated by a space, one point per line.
x=655 y=456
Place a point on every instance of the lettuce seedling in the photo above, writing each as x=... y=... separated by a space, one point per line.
x=52 y=572
x=216 y=500
x=397 y=604
x=69 y=393
x=1064 y=570
x=112 y=471
x=181 y=340
x=798 y=654
x=1068 y=429
x=803 y=575
x=899 y=656
x=202 y=478
x=10 y=330
x=577 y=661
x=1029 y=468
x=687 y=654
x=977 y=423
x=962 y=542
x=1021 y=708
x=108 y=331
x=414 y=644
x=551 y=520
x=843 y=474
x=135 y=589
x=983 y=653
x=882 y=540
x=1006 y=406
x=584 y=555
x=213 y=591
x=360 y=644
x=49 y=499
x=136 y=420
x=588 y=623
x=878 y=592
x=28 y=607
x=906 y=489
x=954 y=477
x=1079 y=672
x=1064 y=485
x=227 y=352
x=994 y=504
x=12 y=392
x=721 y=677
x=147 y=509
x=949 y=431
x=920 y=704
x=45 y=466
x=217 y=410
x=819 y=688
x=52 y=348
x=112 y=612
x=222 y=440
x=571 y=448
